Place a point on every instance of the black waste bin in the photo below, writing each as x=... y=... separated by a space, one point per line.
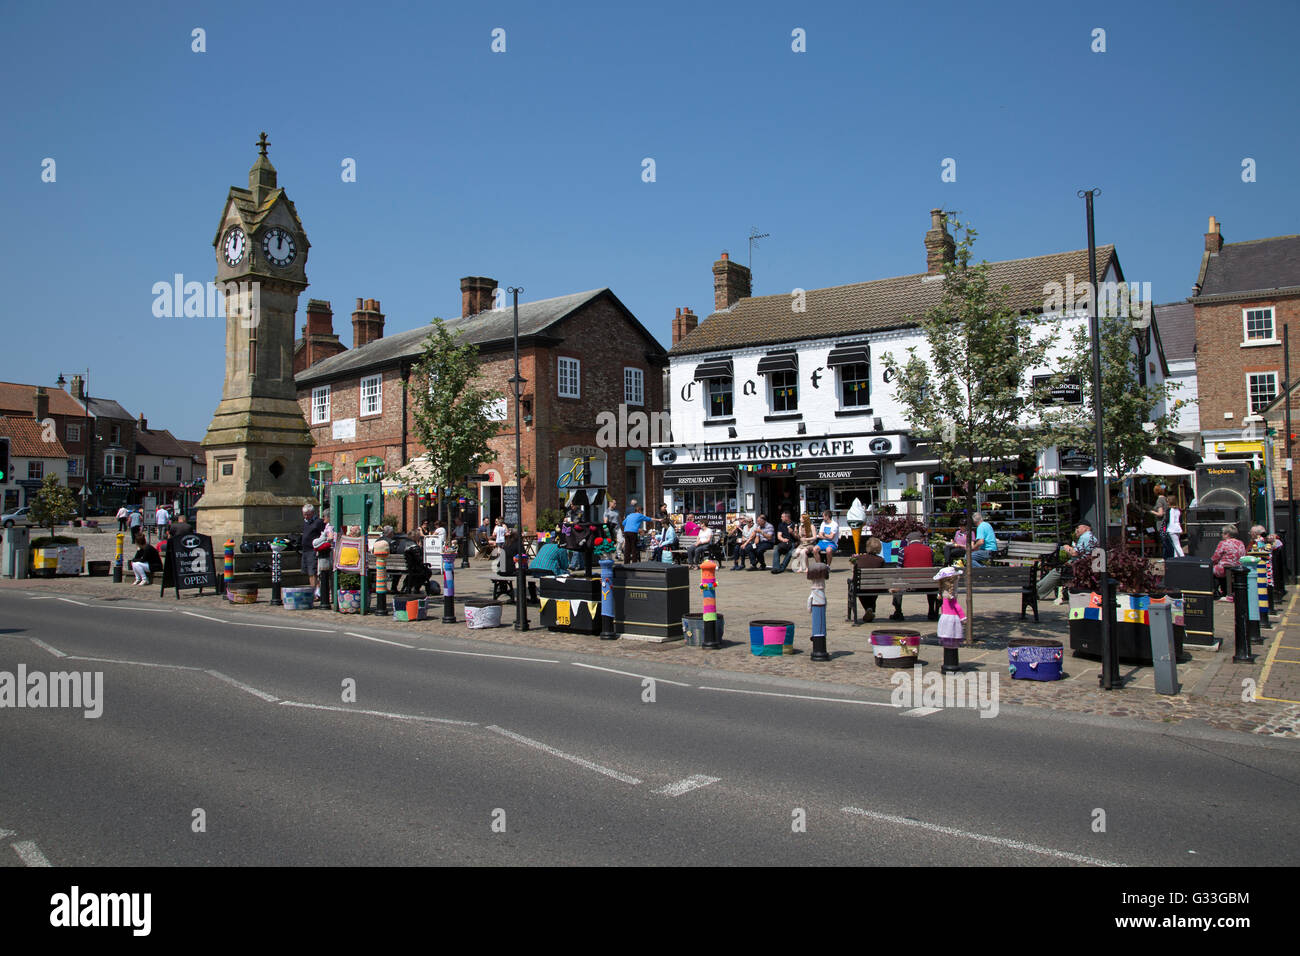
x=1192 y=580
x=650 y=599
x=570 y=604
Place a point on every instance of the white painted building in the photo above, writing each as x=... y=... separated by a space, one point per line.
x=777 y=408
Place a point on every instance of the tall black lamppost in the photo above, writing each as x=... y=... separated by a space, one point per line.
x=1109 y=664
x=521 y=595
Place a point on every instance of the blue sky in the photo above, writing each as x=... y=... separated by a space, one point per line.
x=526 y=165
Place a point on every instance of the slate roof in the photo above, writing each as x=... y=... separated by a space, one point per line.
x=486 y=328
x=1177 y=324
x=107 y=408
x=17 y=399
x=25 y=440
x=160 y=442
x=878 y=305
x=1257 y=265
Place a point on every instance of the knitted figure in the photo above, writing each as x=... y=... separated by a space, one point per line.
x=951 y=613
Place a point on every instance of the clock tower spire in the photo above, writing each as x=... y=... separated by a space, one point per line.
x=258 y=445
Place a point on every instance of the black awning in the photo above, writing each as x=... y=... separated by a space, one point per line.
x=778 y=362
x=845 y=469
x=721 y=368
x=699 y=477
x=850 y=355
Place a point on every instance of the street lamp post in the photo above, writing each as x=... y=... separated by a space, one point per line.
x=521 y=595
x=1109 y=664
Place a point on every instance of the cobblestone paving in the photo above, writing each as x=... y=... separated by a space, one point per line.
x=1214 y=690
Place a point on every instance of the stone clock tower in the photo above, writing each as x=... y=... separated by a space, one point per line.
x=258 y=445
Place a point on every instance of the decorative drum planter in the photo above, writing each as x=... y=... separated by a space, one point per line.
x=770 y=638
x=99 y=569
x=410 y=609
x=693 y=628
x=895 y=646
x=349 y=602
x=299 y=599
x=485 y=615
x=1033 y=658
x=242 y=594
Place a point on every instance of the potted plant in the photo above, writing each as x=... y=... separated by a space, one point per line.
x=349 y=594
x=1137 y=585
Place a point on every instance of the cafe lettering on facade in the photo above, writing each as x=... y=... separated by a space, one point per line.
x=784 y=403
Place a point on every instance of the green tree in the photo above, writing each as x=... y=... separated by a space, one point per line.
x=1129 y=427
x=966 y=390
x=54 y=504
x=451 y=410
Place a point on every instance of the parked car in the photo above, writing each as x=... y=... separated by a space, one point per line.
x=18 y=517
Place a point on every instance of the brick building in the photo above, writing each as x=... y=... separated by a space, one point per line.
x=31 y=458
x=579 y=354
x=1245 y=293
x=38 y=403
x=163 y=463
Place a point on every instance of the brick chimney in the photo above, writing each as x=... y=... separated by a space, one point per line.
x=684 y=323
x=476 y=294
x=367 y=323
x=78 y=388
x=318 y=339
x=41 y=403
x=1213 y=238
x=731 y=283
x=143 y=423
x=939 y=246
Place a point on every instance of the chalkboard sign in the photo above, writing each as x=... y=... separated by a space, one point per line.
x=189 y=563
x=510 y=504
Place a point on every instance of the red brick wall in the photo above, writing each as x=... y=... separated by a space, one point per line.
x=1222 y=364
x=598 y=337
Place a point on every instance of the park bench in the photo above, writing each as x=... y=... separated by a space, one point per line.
x=873 y=582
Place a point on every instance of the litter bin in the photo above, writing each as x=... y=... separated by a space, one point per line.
x=15 y=552
x=650 y=599
x=570 y=605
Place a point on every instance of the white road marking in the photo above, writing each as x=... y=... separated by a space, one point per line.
x=378 y=713
x=768 y=693
x=657 y=680
x=114 y=660
x=377 y=640
x=70 y=601
x=982 y=837
x=504 y=657
x=687 y=785
x=7 y=833
x=921 y=711
x=280 y=627
x=545 y=748
x=128 y=607
x=41 y=597
x=29 y=853
x=41 y=644
x=204 y=616
x=270 y=698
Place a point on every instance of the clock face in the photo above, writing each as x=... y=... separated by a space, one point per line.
x=279 y=247
x=234 y=246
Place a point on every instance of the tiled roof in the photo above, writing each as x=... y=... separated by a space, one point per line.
x=193 y=449
x=25 y=439
x=494 y=326
x=877 y=305
x=16 y=399
x=107 y=408
x=158 y=441
x=1258 y=265
x=1177 y=324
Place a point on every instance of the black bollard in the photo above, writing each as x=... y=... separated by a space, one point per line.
x=324 y=579
x=521 y=594
x=1109 y=678
x=277 y=598
x=951 y=665
x=1241 y=620
x=449 y=586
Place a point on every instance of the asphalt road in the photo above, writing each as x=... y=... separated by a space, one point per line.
x=451 y=755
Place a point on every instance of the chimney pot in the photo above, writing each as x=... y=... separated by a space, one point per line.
x=1213 y=238
x=939 y=246
x=358 y=303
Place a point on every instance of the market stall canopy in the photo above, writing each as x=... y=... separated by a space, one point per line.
x=1151 y=467
x=417 y=471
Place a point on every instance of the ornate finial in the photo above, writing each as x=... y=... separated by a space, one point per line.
x=262 y=143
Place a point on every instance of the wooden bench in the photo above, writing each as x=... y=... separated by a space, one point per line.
x=873 y=582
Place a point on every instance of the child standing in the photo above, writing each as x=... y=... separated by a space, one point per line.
x=951 y=614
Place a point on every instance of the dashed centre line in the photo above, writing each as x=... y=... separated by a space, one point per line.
x=686 y=786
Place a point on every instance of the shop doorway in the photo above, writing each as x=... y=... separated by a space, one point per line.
x=777 y=493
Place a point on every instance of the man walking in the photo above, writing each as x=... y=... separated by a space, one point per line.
x=313 y=526
x=632 y=533
x=136 y=522
x=122 y=514
x=161 y=519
